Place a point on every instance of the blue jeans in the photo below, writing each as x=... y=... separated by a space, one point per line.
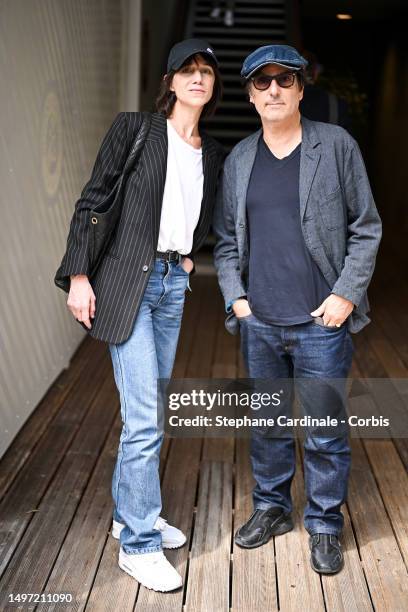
x=148 y=354
x=299 y=352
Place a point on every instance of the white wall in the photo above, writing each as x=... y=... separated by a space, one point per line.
x=63 y=79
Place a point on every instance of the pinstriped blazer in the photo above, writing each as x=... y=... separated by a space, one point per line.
x=122 y=276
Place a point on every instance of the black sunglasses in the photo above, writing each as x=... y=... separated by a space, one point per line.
x=283 y=79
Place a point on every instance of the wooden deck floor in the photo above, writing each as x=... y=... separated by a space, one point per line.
x=55 y=508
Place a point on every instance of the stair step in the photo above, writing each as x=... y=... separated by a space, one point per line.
x=234 y=119
x=226 y=65
x=256 y=23
x=225 y=31
x=246 y=11
x=244 y=43
x=230 y=78
x=232 y=134
x=249 y=3
x=234 y=104
x=246 y=8
x=235 y=91
x=262 y=20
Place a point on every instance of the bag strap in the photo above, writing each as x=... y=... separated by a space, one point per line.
x=138 y=143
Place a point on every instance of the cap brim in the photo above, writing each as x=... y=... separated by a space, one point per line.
x=295 y=68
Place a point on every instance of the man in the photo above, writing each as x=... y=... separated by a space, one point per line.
x=297 y=236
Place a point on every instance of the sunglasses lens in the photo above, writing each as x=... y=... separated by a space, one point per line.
x=262 y=81
x=285 y=80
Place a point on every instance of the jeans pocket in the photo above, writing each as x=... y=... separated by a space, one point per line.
x=318 y=321
x=245 y=318
x=179 y=269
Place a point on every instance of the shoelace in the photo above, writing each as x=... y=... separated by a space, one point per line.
x=160 y=524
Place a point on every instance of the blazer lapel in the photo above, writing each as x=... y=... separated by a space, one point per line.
x=309 y=160
x=245 y=163
x=155 y=160
x=210 y=172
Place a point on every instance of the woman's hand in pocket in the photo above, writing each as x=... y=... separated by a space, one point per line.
x=187 y=264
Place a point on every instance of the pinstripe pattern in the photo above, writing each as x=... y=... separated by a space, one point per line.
x=120 y=281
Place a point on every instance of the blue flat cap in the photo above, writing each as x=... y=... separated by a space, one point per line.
x=283 y=55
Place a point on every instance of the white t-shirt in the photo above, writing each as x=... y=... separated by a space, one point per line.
x=183 y=193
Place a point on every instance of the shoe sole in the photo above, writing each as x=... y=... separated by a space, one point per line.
x=280 y=530
x=165 y=545
x=147 y=585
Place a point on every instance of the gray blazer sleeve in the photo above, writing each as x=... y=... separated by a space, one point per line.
x=363 y=229
x=226 y=256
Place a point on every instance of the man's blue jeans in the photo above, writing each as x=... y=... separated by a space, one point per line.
x=148 y=354
x=306 y=351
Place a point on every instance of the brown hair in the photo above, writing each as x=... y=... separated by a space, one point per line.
x=166 y=98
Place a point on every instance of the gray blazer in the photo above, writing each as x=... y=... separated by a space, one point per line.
x=339 y=219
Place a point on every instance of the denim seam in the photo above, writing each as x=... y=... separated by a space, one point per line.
x=165 y=293
x=125 y=423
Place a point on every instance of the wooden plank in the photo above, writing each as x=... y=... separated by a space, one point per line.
x=392 y=482
x=253 y=571
x=224 y=365
x=112 y=588
x=208 y=578
x=347 y=591
x=125 y=589
x=382 y=561
x=178 y=503
x=77 y=562
x=34 y=558
x=181 y=473
x=20 y=504
x=32 y=431
x=299 y=586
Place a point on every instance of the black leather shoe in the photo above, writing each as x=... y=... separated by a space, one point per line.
x=261 y=526
x=326 y=555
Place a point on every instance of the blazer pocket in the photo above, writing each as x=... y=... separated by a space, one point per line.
x=332 y=210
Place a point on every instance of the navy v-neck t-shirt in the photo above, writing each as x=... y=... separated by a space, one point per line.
x=285 y=284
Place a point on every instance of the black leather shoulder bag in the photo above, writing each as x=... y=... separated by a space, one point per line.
x=105 y=216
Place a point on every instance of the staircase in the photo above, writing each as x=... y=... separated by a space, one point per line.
x=257 y=23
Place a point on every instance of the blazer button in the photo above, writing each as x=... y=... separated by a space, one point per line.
x=145 y=268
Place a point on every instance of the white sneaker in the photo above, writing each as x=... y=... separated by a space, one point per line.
x=152 y=570
x=215 y=13
x=171 y=536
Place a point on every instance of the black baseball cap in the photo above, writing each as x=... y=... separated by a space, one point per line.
x=185 y=49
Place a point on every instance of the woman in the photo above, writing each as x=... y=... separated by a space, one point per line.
x=135 y=300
